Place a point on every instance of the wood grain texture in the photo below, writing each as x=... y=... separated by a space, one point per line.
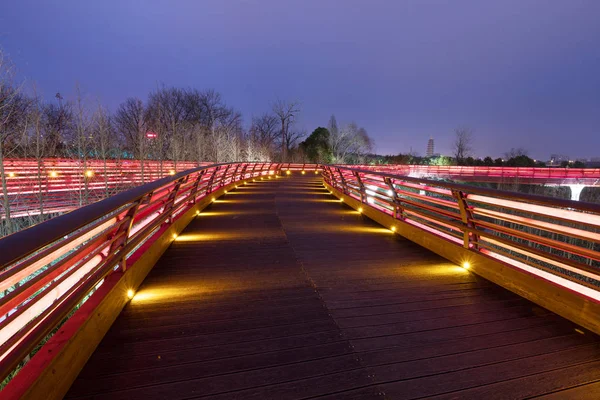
x=277 y=292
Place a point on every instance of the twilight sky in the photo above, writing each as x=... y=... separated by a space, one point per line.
x=521 y=73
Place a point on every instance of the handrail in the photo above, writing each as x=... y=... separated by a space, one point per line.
x=554 y=238
x=55 y=185
x=538 y=199
x=50 y=268
x=590 y=176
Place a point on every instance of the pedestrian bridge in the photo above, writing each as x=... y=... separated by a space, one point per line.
x=255 y=281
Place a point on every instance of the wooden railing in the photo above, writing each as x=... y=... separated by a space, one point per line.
x=48 y=270
x=553 y=239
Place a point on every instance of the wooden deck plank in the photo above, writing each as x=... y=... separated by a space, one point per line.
x=277 y=294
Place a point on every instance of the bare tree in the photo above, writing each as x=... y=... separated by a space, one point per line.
x=348 y=141
x=130 y=122
x=286 y=112
x=463 y=143
x=13 y=115
x=261 y=138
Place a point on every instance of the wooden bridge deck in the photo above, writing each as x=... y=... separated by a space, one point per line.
x=278 y=291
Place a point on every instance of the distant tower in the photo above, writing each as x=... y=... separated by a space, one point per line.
x=430 y=147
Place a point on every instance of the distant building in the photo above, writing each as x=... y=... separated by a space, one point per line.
x=430 y=148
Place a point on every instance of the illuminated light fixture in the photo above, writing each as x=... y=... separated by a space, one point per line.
x=197 y=212
x=174 y=236
x=53 y=174
x=171 y=172
x=360 y=209
x=579 y=331
x=466 y=265
x=288 y=172
x=253 y=180
x=341 y=199
x=316 y=172
x=130 y=293
x=236 y=186
x=245 y=183
x=269 y=177
x=303 y=172
x=393 y=229
x=213 y=199
x=89 y=173
x=11 y=174
x=225 y=191
x=271 y=172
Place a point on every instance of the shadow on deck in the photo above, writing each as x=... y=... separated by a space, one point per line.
x=280 y=291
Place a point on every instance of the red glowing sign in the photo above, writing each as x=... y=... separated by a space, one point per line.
x=151 y=135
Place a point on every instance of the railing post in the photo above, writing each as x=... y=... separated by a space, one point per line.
x=170 y=202
x=342 y=180
x=224 y=176
x=124 y=229
x=243 y=172
x=361 y=187
x=237 y=166
x=211 y=181
x=194 y=190
x=398 y=210
x=470 y=239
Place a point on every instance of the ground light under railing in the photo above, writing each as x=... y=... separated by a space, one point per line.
x=544 y=249
x=124 y=236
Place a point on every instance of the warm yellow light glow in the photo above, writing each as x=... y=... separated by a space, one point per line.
x=316 y=172
x=225 y=191
x=360 y=209
x=89 y=173
x=197 y=212
x=271 y=172
x=213 y=199
x=171 y=172
x=130 y=293
x=288 y=172
x=303 y=172
x=236 y=186
x=269 y=177
x=253 y=180
x=245 y=183
x=393 y=229
x=466 y=265
x=11 y=174
x=53 y=174
x=341 y=199
x=174 y=236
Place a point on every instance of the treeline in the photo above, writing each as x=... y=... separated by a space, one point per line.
x=170 y=124
x=346 y=144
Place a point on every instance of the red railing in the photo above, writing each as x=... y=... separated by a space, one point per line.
x=59 y=185
x=587 y=176
x=558 y=240
x=46 y=271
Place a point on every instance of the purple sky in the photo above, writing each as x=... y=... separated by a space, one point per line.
x=520 y=73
